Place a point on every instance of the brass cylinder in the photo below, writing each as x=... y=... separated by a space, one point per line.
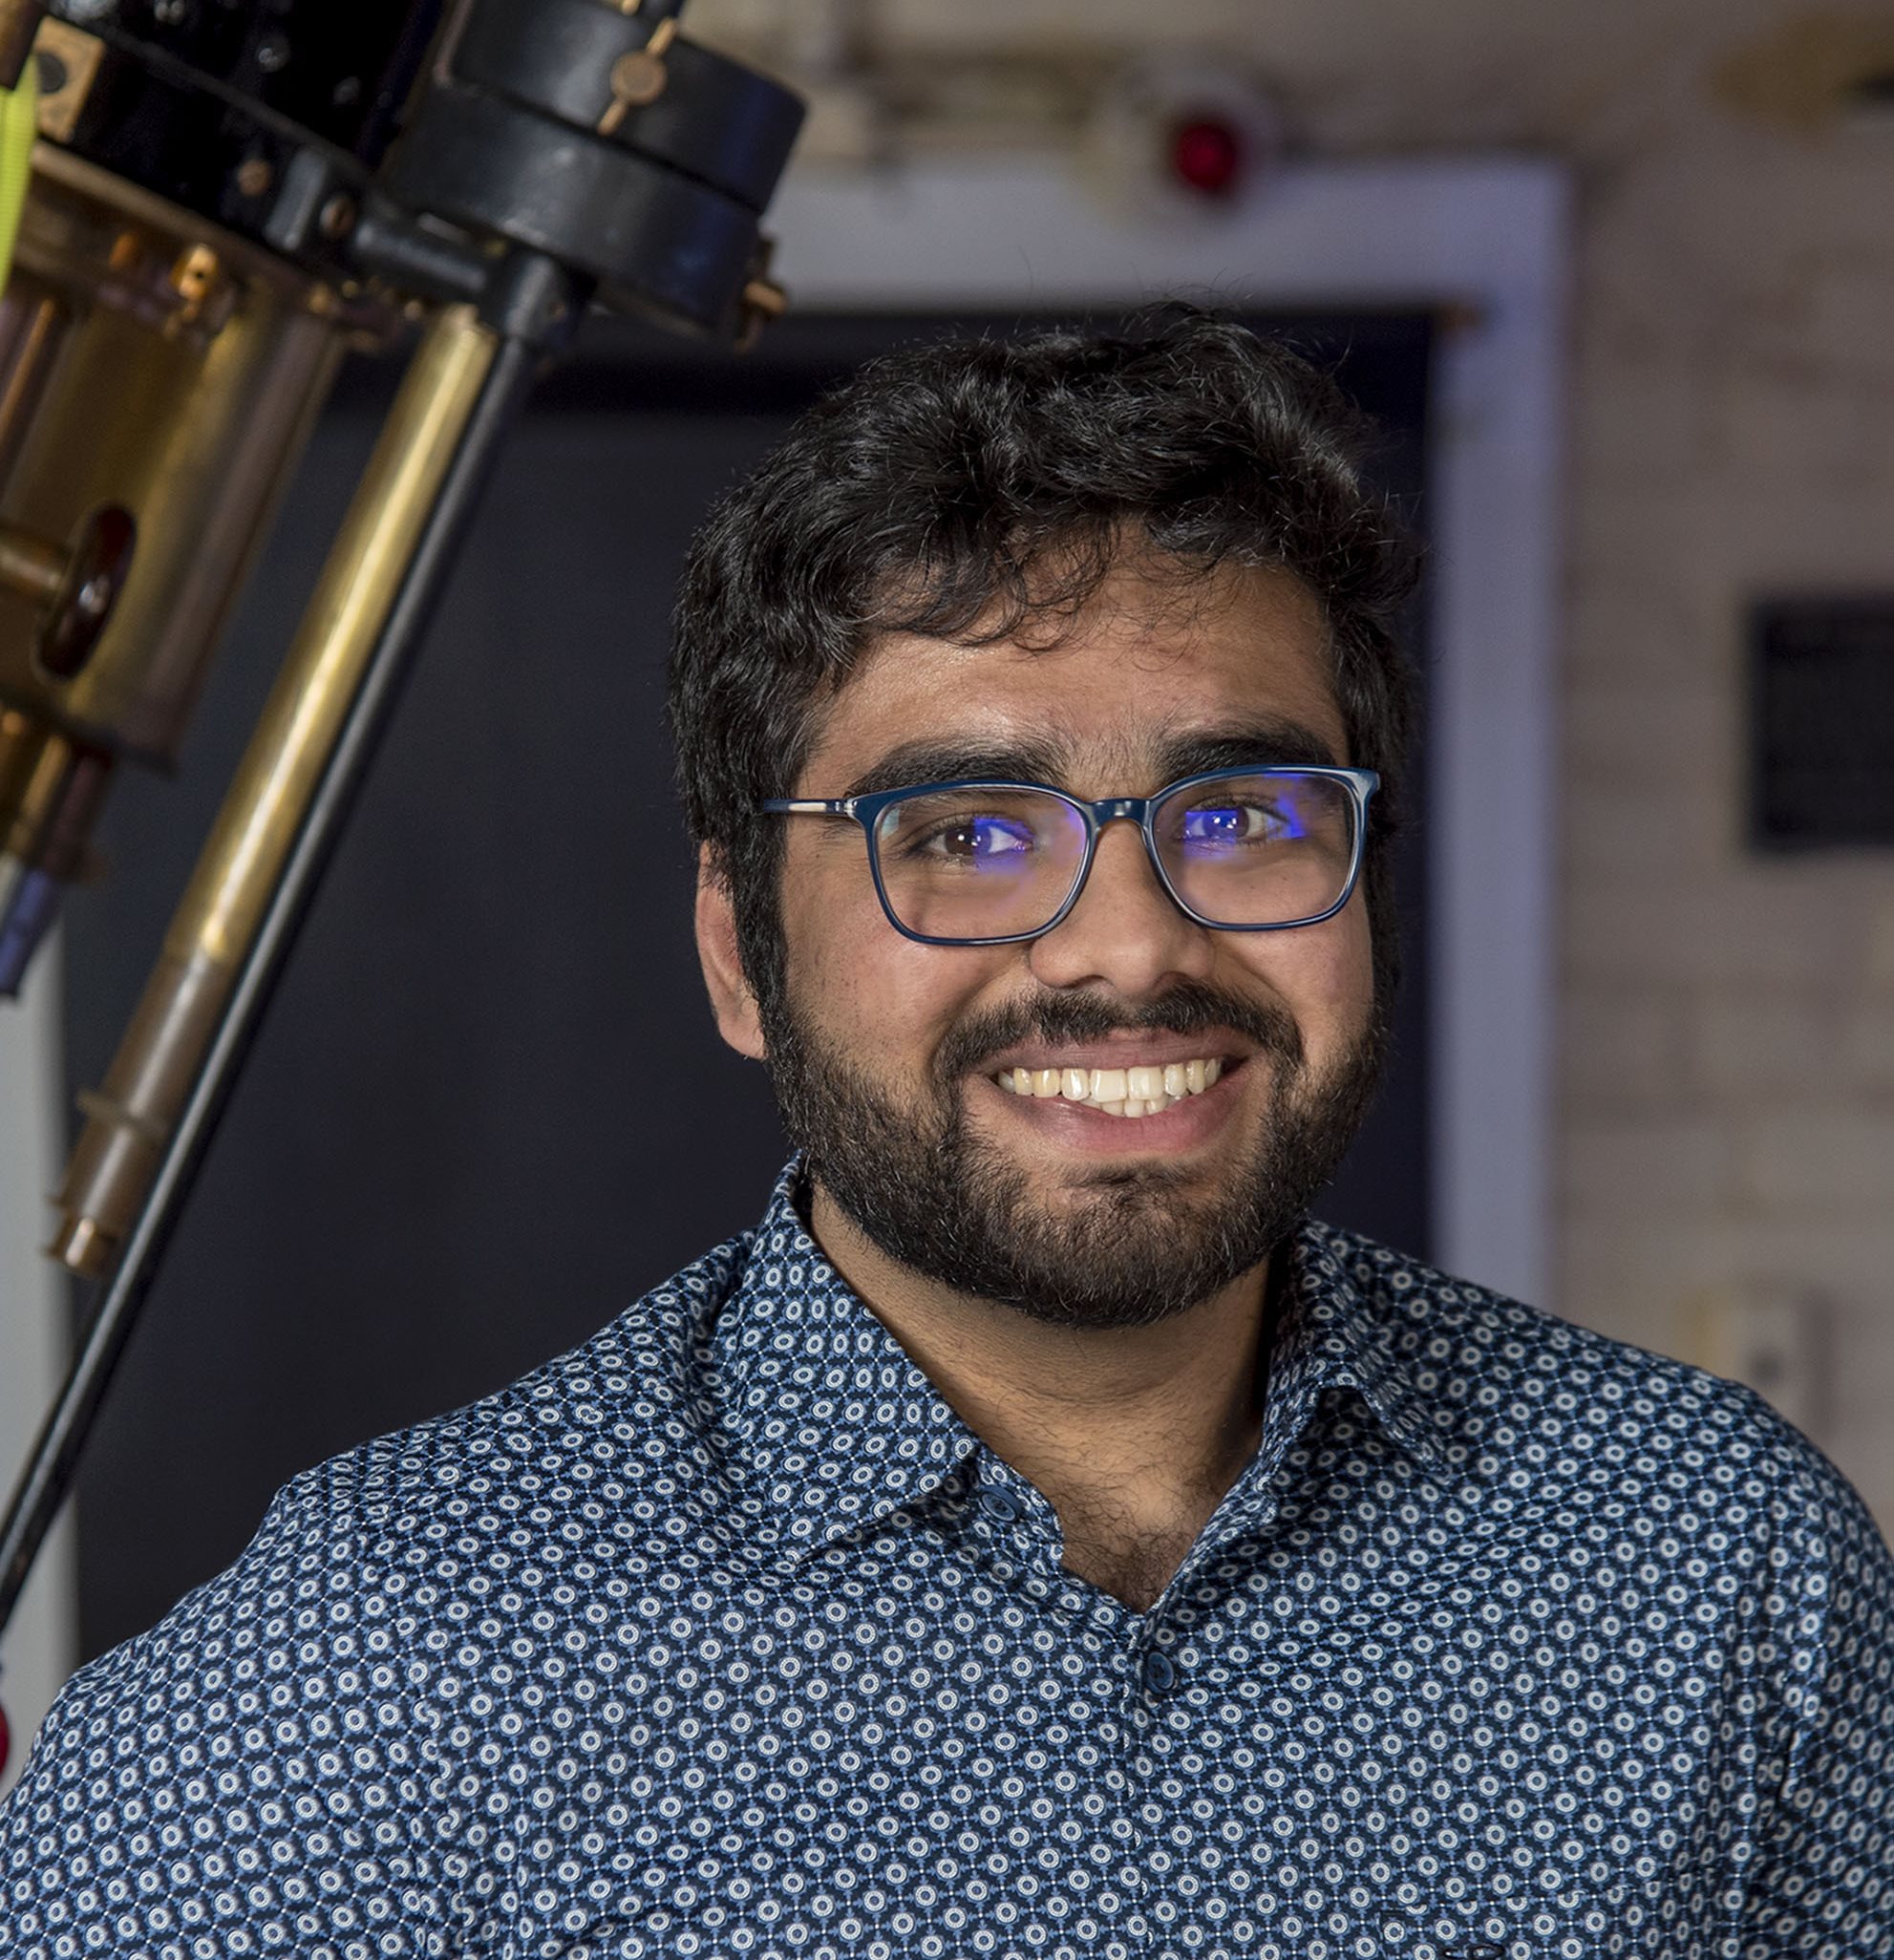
x=23 y=741
x=195 y=367
x=130 y=1119
x=31 y=566
x=157 y=377
x=48 y=791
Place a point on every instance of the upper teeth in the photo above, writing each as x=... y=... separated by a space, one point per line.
x=1119 y=1092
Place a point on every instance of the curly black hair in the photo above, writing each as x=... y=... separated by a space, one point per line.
x=957 y=490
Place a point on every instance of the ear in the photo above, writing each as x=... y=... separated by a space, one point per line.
x=732 y=1002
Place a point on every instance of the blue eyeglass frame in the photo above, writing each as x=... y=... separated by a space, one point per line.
x=1361 y=785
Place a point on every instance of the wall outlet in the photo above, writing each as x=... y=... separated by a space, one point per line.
x=1773 y=1337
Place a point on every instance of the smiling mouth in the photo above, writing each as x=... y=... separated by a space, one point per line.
x=1130 y=1092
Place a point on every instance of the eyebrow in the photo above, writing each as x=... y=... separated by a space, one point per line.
x=962 y=761
x=1267 y=742
x=1263 y=742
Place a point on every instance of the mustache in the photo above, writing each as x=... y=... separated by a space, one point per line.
x=1190 y=1007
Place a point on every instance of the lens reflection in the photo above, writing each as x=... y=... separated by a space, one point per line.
x=979 y=864
x=1258 y=850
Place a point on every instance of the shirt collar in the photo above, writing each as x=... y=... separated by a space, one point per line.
x=1335 y=1330
x=833 y=1426
x=831 y=1423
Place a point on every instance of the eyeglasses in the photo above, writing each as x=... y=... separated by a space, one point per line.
x=983 y=863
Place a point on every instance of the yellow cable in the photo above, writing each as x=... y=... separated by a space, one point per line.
x=19 y=109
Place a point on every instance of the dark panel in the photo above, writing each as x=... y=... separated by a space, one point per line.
x=1821 y=723
x=489 y=1107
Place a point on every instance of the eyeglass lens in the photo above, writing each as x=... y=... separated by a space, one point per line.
x=1265 y=849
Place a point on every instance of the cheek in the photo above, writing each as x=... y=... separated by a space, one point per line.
x=1351 y=960
x=1324 y=975
x=859 y=979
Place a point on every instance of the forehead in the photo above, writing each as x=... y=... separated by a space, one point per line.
x=1140 y=670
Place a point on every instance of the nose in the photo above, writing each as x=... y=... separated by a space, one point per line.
x=1125 y=932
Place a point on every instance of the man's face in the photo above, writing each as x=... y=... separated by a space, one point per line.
x=885 y=1053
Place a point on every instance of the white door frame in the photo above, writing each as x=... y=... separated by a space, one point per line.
x=1483 y=242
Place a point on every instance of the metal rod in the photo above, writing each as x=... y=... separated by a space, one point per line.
x=132 y=1112
x=48 y=1471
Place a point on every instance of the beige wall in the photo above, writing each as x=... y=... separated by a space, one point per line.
x=1727 y=1052
x=1729 y=1064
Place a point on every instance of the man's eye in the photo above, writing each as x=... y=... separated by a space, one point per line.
x=978 y=839
x=1234 y=824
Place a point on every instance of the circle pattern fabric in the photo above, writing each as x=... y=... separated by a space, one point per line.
x=722 y=1636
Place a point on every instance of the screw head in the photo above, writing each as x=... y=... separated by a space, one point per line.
x=637 y=78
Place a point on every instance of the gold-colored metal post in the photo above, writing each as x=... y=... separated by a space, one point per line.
x=132 y=1116
x=31 y=565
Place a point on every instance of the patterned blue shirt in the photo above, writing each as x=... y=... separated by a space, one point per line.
x=722 y=1635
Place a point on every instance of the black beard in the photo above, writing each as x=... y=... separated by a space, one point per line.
x=935 y=1196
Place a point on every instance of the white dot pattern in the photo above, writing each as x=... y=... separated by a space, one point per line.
x=722 y=1636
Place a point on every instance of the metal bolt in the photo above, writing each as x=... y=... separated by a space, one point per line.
x=193 y=274
x=765 y=297
x=637 y=78
x=254 y=176
x=337 y=215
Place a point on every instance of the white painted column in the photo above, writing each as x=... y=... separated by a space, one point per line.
x=39 y=1649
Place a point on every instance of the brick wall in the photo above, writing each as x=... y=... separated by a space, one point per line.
x=1728 y=1021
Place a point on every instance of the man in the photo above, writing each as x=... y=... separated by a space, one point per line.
x=1039 y=1537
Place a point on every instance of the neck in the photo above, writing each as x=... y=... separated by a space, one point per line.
x=1134 y=1434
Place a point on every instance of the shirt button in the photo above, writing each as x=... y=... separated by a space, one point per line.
x=1000 y=1505
x=1160 y=1674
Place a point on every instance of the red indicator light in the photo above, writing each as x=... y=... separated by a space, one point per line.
x=1207 y=155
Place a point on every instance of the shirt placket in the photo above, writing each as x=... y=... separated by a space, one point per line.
x=1160 y=1650
x=1018 y=1532
x=1151 y=1678
x=1162 y=1657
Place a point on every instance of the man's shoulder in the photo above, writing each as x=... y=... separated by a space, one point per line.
x=585 y=1465
x=1519 y=1396
x=621 y=1409
x=1470 y=1343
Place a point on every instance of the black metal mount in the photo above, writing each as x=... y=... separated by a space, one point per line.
x=529 y=156
x=205 y=103
x=411 y=146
